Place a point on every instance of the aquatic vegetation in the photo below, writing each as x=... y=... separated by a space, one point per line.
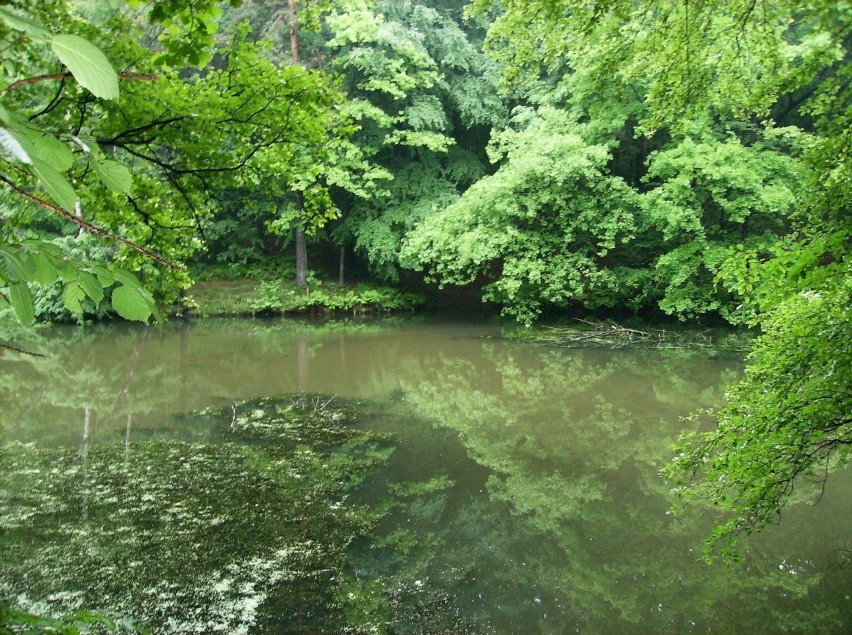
x=191 y=538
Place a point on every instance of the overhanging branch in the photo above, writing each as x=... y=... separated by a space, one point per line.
x=89 y=227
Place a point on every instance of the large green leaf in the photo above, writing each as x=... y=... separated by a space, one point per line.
x=50 y=150
x=105 y=276
x=131 y=304
x=22 y=302
x=125 y=277
x=57 y=186
x=34 y=244
x=17 y=268
x=114 y=175
x=88 y=64
x=45 y=270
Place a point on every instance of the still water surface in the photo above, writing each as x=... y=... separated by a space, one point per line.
x=418 y=476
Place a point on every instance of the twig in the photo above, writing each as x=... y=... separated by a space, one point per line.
x=14 y=348
x=148 y=77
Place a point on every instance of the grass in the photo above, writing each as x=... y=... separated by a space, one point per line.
x=255 y=296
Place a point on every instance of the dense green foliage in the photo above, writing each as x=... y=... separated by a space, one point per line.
x=734 y=63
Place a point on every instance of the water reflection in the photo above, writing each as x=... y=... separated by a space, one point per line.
x=511 y=488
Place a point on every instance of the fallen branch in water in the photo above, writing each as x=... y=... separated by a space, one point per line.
x=12 y=347
x=612 y=335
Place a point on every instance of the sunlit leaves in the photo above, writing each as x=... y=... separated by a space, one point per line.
x=707 y=195
x=786 y=420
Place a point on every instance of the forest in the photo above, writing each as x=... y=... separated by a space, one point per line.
x=679 y=161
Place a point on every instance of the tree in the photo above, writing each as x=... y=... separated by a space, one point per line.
x=37 y=155
x=425 y=98
x=548 y=228
x=189 y=135
x=688 y=60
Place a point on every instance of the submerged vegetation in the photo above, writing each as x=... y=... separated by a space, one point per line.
x=311 y=513
x=186 y=537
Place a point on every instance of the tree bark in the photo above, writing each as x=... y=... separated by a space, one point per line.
x=301 y=258
x=294 y=30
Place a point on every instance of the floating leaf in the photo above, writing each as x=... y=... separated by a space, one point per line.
x=88 y=64
x=130 y=303
x=114 y=175
x=22 y=302
x=57 y=186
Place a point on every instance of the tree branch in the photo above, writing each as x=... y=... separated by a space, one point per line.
x=148 y=77
x=89 y=227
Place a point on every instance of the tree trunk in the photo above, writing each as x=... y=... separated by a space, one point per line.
x=342 y=262
x=301 y=258
x=294 y=30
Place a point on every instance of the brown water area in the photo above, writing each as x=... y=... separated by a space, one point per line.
x=398 y=476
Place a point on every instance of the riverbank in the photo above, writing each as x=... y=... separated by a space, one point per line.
x=256 y=296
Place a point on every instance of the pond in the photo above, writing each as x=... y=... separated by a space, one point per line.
x=404 y=476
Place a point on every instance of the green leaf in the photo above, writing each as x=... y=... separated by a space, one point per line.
x=50 y=150
x=126 y=278
x=72 y=296
x=22 y=302
x=114 y=175
x=105 y=276
x=88 y=64
x=45 y=271
x=131 y=304
x=13 y=146
x=67 y=272
x=57 y=186
x=91 y=286
x=34 y=244
x=19 y=23
x=16 y=266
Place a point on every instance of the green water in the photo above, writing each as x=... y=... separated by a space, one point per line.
x=395 y=477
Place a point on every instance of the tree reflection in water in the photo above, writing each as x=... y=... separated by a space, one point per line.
x=494 y=487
